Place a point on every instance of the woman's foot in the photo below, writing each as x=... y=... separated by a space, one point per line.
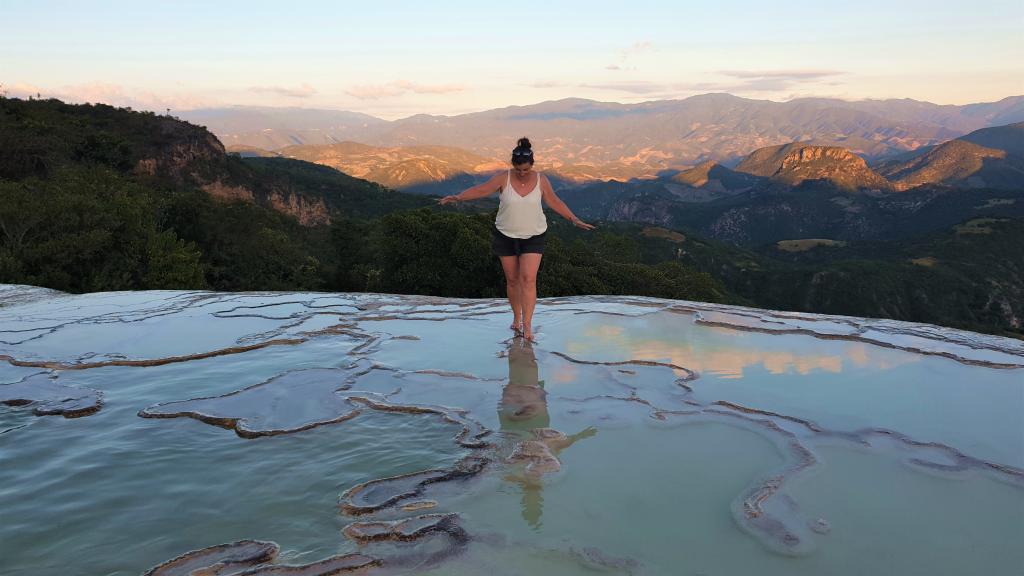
x=528 y=333
x=517 y=326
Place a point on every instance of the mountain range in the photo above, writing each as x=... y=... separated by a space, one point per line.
x=990 y=157
x=98 y=198
x=417 y=169
x=789 y=191
x=585 y=140
x=798 y=191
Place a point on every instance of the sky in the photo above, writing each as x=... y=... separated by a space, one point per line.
x=395 y=59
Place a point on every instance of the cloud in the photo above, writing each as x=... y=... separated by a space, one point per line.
x=20 y=90
x=774 y=80
x=742 y=82
x=399 y=87
x=777 y=87
x=374 y=92
x=637 y=48
x=112 y=94
x=547 y=84
x=627 y=54
x=630 y=87
x=302 y=91
x=782 y=74
x=435 y=89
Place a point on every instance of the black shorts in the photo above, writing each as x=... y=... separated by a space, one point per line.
x=506 y=246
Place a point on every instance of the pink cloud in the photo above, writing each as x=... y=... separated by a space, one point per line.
x=781 y=74
x=302 y=91
x=112 y=94
x=630 y=87
x=547 y=84
x=399 y=87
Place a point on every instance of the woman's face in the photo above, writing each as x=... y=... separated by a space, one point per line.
x=522 y=170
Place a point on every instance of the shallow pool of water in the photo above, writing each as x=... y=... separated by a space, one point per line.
x=635 y=436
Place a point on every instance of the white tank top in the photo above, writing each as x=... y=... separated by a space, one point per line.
x=520 y=216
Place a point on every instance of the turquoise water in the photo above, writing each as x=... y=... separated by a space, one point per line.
x=629 y=438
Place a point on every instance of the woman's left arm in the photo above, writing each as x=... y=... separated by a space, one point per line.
x=556 y=204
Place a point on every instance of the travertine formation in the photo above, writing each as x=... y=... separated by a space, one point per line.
x=503 y=426
x=218 y=559
x=252 y=558
x=292 y=402
x=305 y=399
x=340 y=564
x=385 y=492
x=406 y=530
x=48 y=397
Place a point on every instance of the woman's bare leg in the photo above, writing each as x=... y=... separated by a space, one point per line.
x=529 y=263
x=510 y=264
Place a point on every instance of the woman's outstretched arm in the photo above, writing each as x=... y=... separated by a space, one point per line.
x=556 y=204
x=478 y=191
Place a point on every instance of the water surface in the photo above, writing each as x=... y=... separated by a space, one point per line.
x=635 y=436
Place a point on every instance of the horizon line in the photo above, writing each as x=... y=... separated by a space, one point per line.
x=549 y=101
x=538 y=103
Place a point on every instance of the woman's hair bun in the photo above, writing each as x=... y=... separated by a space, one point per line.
x=524 y=142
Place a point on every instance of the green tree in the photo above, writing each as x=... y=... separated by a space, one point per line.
x=245 y=246
x=87 y=230
x=435 y=253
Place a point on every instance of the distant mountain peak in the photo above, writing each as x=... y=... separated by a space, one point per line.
x=696 y=176
x=715 y=177
x=799 y=161
x=990 y=157
x=718 y=96
x=1008 y=138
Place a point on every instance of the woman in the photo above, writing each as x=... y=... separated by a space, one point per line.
x=518 y=233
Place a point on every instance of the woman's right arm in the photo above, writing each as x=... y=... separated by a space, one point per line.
x=479 y=191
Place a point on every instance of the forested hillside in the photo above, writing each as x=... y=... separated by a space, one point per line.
x=96 y=198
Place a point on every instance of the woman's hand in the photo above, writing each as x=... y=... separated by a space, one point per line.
x=449 y=199
x=581 y=224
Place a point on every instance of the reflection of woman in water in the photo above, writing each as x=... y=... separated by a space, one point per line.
x=518 y=233
x=524 y=404
x=523 y=414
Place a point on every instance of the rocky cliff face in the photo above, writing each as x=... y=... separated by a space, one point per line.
x=795 y=163
x=190 y=155
x=643 y=209
x=308 y=211
x=183 y=151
